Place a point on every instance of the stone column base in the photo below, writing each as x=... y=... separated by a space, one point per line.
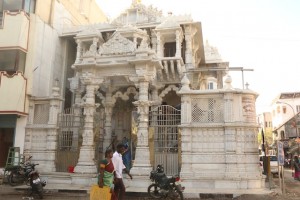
x=141 y=165
x=86 y=164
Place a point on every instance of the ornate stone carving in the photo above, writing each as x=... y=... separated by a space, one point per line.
x=125 y=96
x=93 y=49
x=144 y=45
x=143 y=107
x=142 y=14
x=117 y=45
x=211 y=54
x=74 y=83
x=167 y=90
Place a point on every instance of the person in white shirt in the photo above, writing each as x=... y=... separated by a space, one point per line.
x=119 y=167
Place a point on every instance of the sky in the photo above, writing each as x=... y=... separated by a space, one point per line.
x=263 y=35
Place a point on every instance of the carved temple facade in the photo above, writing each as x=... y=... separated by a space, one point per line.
x=150 y=78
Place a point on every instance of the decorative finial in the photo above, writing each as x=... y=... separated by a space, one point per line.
x=247 y=85
x=185 y=82
x=228 y=82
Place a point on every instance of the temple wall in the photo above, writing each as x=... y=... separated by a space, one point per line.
x=219 y=140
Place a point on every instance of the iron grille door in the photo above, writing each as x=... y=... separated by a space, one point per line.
x=164 y=120
x=69 y=137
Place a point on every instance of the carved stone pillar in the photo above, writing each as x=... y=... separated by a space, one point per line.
x=178 y=43
x=188 y=51
x=153 y=40
x=27 y=142
x=186 y=171
x=154 y=96
x=55 y=103
x=79 y=51
x=108 y=107
x=219 y=80
x=31 y=112
x=107 y=139
x=28 y=131
x=186 y=132
x=54 y=106
x=87 y=151
x=142 y=166
x=158 y=40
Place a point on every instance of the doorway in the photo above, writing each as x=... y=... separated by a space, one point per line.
x=6 y=141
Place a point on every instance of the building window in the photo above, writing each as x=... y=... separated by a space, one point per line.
x=298 y=108
x=210 y=86
x=278 y=109
x=170 y=49
x=16 y=5
x=270 y=124
x=284 y=109
x=12 y=60
x=266 y=124
x=65 y=140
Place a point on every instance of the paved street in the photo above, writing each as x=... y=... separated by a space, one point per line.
x=292 y=193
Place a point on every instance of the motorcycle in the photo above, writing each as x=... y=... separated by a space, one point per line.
x=36 y=184
x=163 y=186
x=20 y=174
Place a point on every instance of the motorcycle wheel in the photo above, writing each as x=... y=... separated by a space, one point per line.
x=153 y=191
x=177 y=193
x=14 y=178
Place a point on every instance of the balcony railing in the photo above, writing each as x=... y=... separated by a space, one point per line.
x=172 y=68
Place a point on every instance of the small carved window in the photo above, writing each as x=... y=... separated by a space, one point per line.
x=41 y=113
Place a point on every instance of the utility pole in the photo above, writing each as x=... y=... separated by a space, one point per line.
x=266 y=161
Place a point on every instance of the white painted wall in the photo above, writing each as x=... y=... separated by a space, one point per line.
x=20 y=133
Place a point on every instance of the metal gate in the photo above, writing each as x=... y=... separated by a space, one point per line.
x=164 y=120
x=69 y=140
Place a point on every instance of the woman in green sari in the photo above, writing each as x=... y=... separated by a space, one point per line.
x=107 y=172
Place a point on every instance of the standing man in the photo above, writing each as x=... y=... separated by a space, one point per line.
x=119 y=167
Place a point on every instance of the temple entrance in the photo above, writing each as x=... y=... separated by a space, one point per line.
x=163 y=130
x=122 y=128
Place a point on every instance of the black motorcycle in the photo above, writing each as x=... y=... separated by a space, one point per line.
x=163 y=186
x=20 y=174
